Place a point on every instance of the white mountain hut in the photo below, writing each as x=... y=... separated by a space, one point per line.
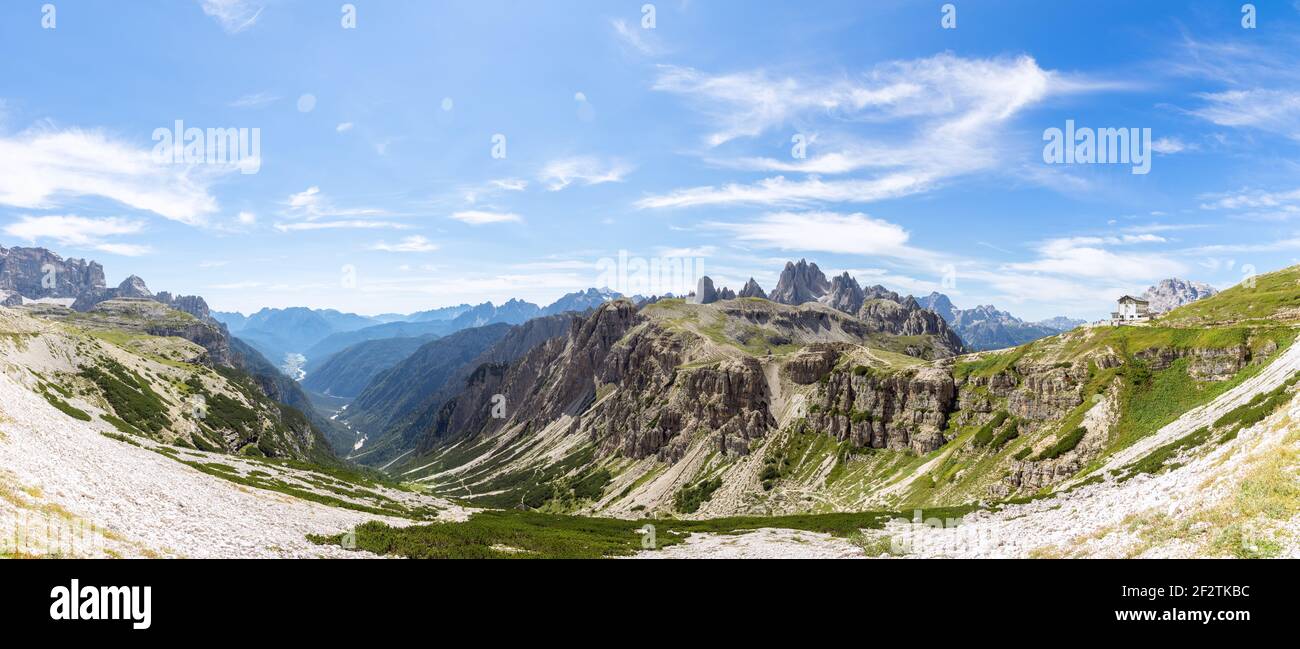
x=1131 y=310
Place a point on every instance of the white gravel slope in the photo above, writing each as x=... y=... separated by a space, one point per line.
x=57 y=473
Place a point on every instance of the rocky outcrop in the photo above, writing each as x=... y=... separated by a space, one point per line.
x=704 y=292
x=845 y=294
x=1172 y=293
x=133 y=286
x=899 y=410
x=908 y=319
x=191 y=304
x=553 y=379
x=812 y=363
x=1209 y=364
x=752 y=289
x=37 y=273
x=799 y=283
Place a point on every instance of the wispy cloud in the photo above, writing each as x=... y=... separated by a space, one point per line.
x=483 y=217
x=587 y=170
x=311 y=209
x=414 y=243
x=856 y=234
x=346 y=224
x=633 y=36
x=42 y=168
x=234 y=15
x=1267 y=109
x=254 y=100
x=781 y=191
x=79 y=232
x=1089 y=257
x=1256 y=204
x=934 y=118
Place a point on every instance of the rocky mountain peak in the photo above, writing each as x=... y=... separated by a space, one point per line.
x=799 y=283
x=37 y=273
x=845 y=294
x=133 y=286
x=752 y=289
x=704 y=292
x=1172 y=293
x=939 y=303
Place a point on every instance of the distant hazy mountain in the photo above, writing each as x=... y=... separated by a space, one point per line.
x=1172 y=293
x=320 y=353
x=277 y=333
x=434 y=315
x=582 y=301
x=347 y=373
x=1062 y=323
x=986 y=327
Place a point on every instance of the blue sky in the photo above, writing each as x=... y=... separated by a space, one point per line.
x=376 y=188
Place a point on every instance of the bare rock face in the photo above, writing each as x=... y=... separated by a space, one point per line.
x=811 y=364
x=38 y=273
x=704 y=292
x=191 y=304
x=799 y=283
x=908 y=319
x=1170 y=294
x=845 y=294
x=899 y=410
x=752 y=289
x=133 y=286
x=1047 y=393
x=1208 y=364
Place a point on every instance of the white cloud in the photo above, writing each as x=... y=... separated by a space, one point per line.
x=780 y=191
x=254 y=100
x=1085 y=257
x=1170 y=145
x=481 y=217
x=1267 y=109
x=697 y=251
x=234 y=15
x=587 y=170
x=347 y=224
x=414 y=243
x=856 y=234
x=78 y=231
x=247 y=218
x=310 y=209
x=41 y=168
x=1256 y=204
x=510 y=184
x=343 y=127
x=934 y=118
x=636 y=38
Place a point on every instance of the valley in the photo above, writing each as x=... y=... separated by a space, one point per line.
x=841 y=421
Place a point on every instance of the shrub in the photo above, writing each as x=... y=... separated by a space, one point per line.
x=688 y=500
x=985 y=434
x=1063 y=445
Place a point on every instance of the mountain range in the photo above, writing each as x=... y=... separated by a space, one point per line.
x=824 y=397
x=316 y=334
